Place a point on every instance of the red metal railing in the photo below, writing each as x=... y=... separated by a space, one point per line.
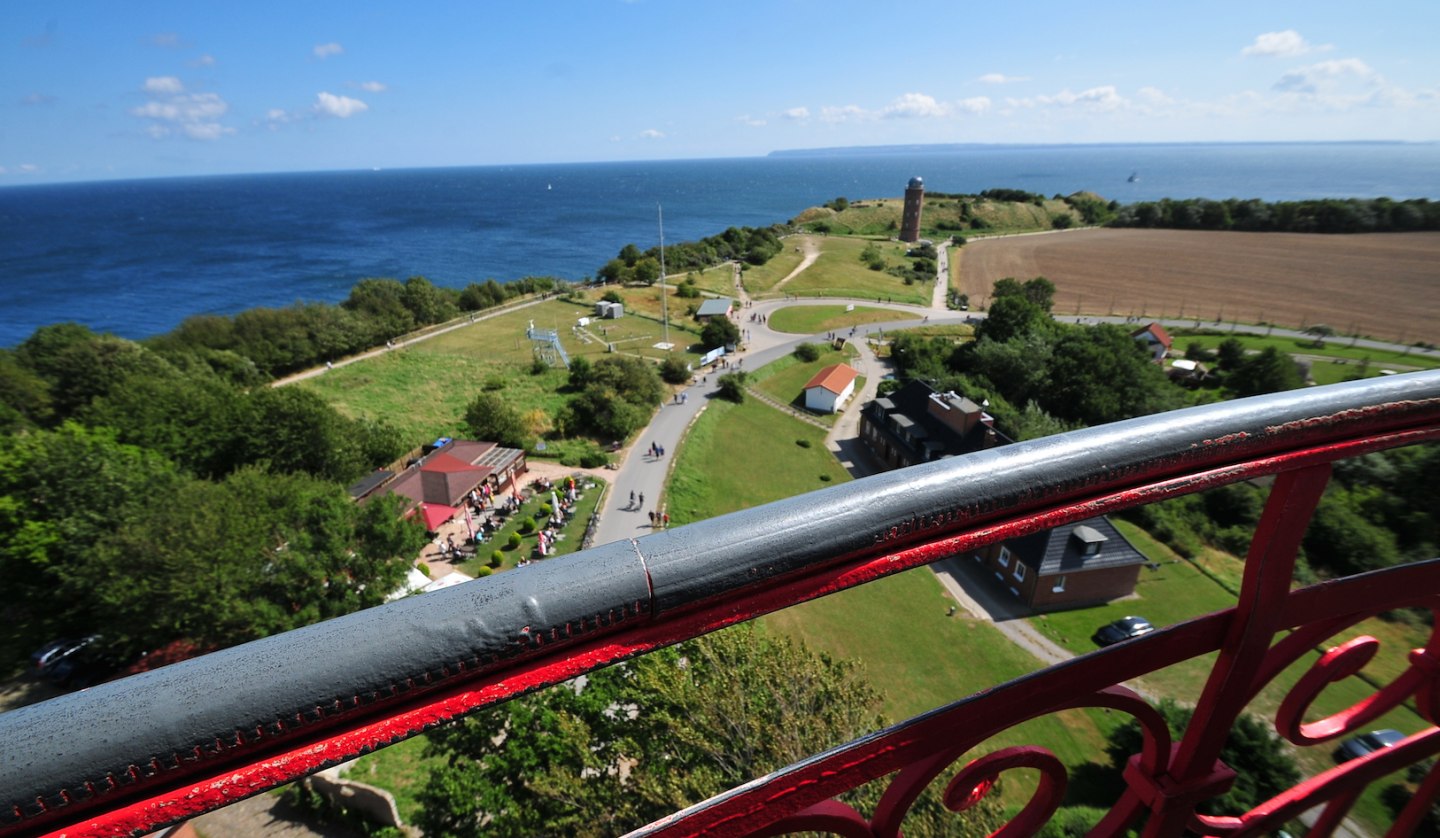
x=199 y=735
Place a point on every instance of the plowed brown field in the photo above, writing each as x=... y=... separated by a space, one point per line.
x=1386 y=285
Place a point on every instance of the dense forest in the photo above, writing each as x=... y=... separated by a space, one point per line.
x=152 y=493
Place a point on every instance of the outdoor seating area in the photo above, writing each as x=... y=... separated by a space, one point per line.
x=548 y=515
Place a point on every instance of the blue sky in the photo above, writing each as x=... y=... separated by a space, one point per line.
x=96 y=90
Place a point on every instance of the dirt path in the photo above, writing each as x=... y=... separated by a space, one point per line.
x=811 y=250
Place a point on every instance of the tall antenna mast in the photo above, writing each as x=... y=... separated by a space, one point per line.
x=664 y=303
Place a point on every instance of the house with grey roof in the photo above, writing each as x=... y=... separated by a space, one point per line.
x=1079 y=564
x=1067 y=567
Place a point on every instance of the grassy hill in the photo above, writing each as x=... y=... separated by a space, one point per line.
x=944 y=215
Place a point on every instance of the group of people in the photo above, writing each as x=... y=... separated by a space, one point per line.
x=659 y=519
x=656 y=450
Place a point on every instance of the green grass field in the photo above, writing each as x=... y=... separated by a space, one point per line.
x=422 y=388
x=812 y=320
x=759 y=279
x=838 y=272
x=739 y=456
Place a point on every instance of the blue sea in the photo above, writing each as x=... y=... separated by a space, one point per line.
x=136 y=257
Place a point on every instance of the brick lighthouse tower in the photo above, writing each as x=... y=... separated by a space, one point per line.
x=910 y=221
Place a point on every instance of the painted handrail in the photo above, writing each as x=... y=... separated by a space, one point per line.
x=162 y=746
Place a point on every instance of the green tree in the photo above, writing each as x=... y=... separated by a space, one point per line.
x=1269 y=371
x=1100 y=374
x=1262 y=762
x=491 y=417
x=732 y=386
x=674 y=369
x=718 y=332
x=580 y=372
x=709 y=714
x=646 y=271
x=1010 y=316
x=1229 y=354
x=808 y=352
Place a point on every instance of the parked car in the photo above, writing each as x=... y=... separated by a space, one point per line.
x=41 y=657
x=1358 y=746
x=62 y=653
x=1125 y=628
x=86 y=667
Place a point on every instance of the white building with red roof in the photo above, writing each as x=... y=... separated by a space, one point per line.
x=828 y=391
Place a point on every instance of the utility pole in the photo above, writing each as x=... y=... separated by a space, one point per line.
x=664 y=302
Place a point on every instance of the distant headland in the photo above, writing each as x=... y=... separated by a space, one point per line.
x=948 y=148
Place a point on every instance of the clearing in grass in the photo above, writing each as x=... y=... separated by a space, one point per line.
x=814 y=319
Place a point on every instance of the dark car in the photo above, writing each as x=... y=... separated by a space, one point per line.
x=40 y=658
x=62 y=655
x=1125 y=628
x=1376 y=740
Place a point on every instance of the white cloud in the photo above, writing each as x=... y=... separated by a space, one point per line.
x=975 y=104
x=1001 y=78
x=915 y=105
x=37 y=99
x=164 y=84
x=752 y=121
x=1103 y=98
x=801 y=112
x=22 y=169
x=172 y=111
x=652 y=134
x=329 y=104
x=1154 y=96
x=323 y=51
x=1328 y=76
x=165 y=39
x=373 y=86
x=1285 y=44
x=842 y=113
x=206 y=60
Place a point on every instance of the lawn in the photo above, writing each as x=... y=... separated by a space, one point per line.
x=839 y=272
x=759 y=279
x=812 y=320
x=1335 y=348
x=737 y=456
x=423 y=387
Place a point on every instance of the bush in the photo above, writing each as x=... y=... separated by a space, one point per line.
x=803 y=443
x=674 y=370
x=824 y=478
x=808 y=352
x=732 y=386
x=482 y=572
x=423 y=568
x=497 y=558
x=594 y=459
x=545 y=510
x=514 y=540
x=527 y=525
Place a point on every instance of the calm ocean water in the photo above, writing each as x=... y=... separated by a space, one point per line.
x=136 y=257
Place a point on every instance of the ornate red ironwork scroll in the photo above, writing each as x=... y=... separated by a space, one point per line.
x=160 y=747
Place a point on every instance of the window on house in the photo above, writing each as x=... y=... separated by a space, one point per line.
x=1004 y=556
x=1059 y=585
x=1020 y=571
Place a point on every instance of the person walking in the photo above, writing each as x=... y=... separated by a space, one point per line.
x=632 y=498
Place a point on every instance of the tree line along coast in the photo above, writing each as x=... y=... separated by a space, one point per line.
x=165 y=470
